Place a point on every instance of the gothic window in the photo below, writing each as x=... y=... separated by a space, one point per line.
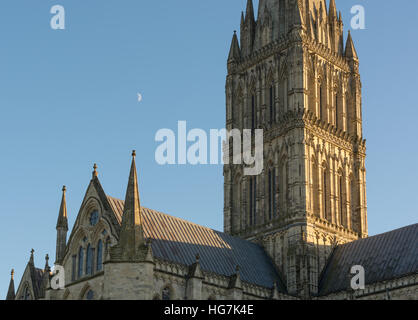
x=80 y=262
x=321 y=114
x=337 y=111
x=94 y=218
x=99 y=261
x=271 y=192
x=253 y=112
x=166 y=294
x=271 y=103
x=90 y=295
x=324 y=193
x=283 y=176
x=341 y=196
x=253 y=197
x=74 y=268
x=26 y=294
x=315 y=188
x=89 y=260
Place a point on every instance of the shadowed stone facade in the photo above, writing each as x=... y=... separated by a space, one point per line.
x=288 y=230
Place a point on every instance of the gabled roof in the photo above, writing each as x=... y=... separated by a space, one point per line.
x=384 y=257
x=176 y=240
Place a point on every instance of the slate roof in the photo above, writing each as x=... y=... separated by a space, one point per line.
x=179 y=241
x=386 y=256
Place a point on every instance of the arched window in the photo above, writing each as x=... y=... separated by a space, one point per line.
x=325 y=193
x=283 y=179
x=99 y=264
x=94 y=218
x=341 y=196
x=90 y=295
x=166 y=294
x=321 y=111
x=271 y=102
x=337 y=111
x=315 y=189
x=253 y=123
x=272 y=193
x=80 y=262
x=26 y=294
x=325 y=196
x=89 y=260
x=253 y=200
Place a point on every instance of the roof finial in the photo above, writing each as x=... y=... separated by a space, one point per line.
x=134 y=153
x=64 y=189
x=47 y=263
x=13 y=274
x=31 y=261
x=95 y=174
x=197 y=257
x=237 y=268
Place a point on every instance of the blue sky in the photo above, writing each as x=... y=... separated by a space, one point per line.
x=68 y=98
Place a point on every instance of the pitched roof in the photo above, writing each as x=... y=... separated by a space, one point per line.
x=386 y=256
x=177 y=240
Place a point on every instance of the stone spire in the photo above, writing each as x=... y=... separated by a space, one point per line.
x=332 y=15
x=62 y=228
x=234 y=52
x=248 y=30
x=350 y=50
x=249 y=14
x=62 y=221
x=132 y=245
x=11 y=292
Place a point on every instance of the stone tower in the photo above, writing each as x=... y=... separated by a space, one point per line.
x=291 y=76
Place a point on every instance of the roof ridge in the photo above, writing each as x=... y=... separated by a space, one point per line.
x=379 y=235
x=172 y=216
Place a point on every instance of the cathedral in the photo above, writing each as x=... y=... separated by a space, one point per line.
x=292 y=232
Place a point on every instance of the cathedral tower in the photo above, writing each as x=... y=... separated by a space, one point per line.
x=291 y=76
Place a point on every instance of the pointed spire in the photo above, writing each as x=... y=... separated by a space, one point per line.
x=262 y=6
x=132 y=210
x=31 y=259
x=234 y=52
x=11 y=292
x=131 y=242
x=249 y=14
x=62 y=221
x=332 y=10
x=350 y=50
x=242 y=19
